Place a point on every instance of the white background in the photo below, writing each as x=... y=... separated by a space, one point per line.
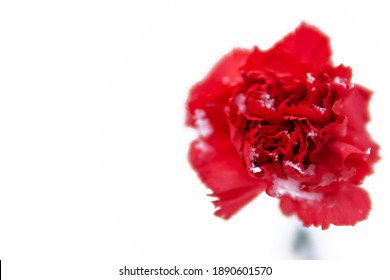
x=93 y=147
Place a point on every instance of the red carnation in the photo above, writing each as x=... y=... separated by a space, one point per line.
x=289 y=122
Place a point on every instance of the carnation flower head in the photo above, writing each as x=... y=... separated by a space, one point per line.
x=288 y=122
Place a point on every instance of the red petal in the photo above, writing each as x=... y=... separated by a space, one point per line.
x=213 y=92
x=306 y=111
x=346 y=205
x=223 y=171
x=308 y=44
x=340 y=157
x=305 y=50
x=272 y=61
x=355 y=107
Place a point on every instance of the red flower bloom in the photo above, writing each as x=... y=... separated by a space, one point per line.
x=288 y=122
